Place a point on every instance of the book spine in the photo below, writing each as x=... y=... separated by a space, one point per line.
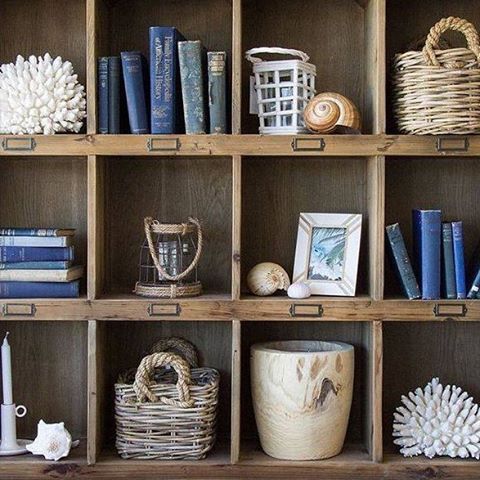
x=475 y=288
x=114 y=68
x=39 y=289
x=449 y=286
x=217 y=79
x=103 y=92
x=34 y=254
x=35 y=266
x=191 y=74
x=427 y=226
x=459 y=259
x=132 y=66
x=28 y=241
x=30 y=232
x=402 y=263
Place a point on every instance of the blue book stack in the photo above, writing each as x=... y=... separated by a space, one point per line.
x=37 y=263
x=166 y=112
x=427 y=232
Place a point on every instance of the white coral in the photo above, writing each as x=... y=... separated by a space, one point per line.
x=40 y=95
x=438 y=421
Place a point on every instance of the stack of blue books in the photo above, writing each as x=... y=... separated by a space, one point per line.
x=37 y=263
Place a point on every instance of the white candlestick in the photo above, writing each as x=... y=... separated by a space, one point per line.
x=7 y=372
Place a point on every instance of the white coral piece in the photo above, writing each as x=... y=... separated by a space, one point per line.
x=53 y=441
x=40 y=95
x=438 y=421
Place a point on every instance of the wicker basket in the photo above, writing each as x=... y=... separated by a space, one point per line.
x=165 y=420
x=283 y=89
x=438 y=91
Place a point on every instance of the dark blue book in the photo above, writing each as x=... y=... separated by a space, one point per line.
x=459 y=259
x=39 y=289
x=37 y=232
x=114 y=74
x=59 y=265
x=166 y=112
x=133 y=78
x=35 y=254
x=103 y=94
x=217 y=91
x=473 y=291
x=449 y=282
x=190 y=56
x=427 y=235
x=401 y=261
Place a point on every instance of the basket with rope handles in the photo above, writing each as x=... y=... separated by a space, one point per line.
x=283 y=88
x=437 y=92
x=171 y=418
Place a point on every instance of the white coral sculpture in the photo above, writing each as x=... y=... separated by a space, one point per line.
x=40 y=95
x=438 y=421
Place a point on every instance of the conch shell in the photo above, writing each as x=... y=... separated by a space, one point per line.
x=266 y=278
x=53 y=441
x=329 y=112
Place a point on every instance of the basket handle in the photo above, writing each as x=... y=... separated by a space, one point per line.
x=145 y=373
x=179 y=346
x=283 y=51
x=163 y=273
x=450 y=23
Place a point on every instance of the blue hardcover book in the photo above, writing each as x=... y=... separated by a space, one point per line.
x=475 y=286
x=449 y=282
x=165 y=91
x=190 y=56
x=133 y=77
x=427 y=234
x=39 y=289
x=473 y=291
x=36 y=266
x=35 y=254
x=103 y=94
x=217 y=83
x=29 y=241
x=114 y=72
x=401 y=261
x=37 y=232
x=459 y=259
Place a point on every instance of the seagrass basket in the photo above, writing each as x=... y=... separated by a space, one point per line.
x=437 y=92
x=167 y=414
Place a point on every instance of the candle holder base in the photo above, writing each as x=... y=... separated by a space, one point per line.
x=18 y=450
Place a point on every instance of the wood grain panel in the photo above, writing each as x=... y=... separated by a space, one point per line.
x=275 y=191
x=169 y=189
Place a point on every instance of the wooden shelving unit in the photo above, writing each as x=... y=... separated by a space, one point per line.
x=248 y=191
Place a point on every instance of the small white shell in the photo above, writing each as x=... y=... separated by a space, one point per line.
x=266 y=278
x=299 y=290
x=53 y=441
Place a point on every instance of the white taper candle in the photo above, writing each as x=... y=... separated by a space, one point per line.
x=7 y=372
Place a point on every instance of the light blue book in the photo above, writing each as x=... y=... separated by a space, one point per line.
x=60 y=265
x=29 y=241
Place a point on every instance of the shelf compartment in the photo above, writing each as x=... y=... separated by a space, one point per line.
x=359 y=433
x=49 y=365
x=46 y=192
x=171 y=190
x=121 y=345
x=344 y=49
x=275 y=192
x=449 y=184
x=415 y=352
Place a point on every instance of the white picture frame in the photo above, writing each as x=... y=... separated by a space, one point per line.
x=327 y=252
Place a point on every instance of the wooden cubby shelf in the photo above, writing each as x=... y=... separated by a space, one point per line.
x=247 y=190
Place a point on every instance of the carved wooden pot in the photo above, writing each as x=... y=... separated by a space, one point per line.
x=302 y=393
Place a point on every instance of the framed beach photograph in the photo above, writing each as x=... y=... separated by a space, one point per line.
x=326 y=257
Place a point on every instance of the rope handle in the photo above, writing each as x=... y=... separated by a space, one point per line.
x=162 y=272
x=179 y=346
x=145 y=373
x=283 y=51
x=451 y=23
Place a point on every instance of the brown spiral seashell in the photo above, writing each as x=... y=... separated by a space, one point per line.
x=328 y=111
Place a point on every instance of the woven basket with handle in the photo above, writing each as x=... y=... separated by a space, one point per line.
x=438 y=91
x=170 y=418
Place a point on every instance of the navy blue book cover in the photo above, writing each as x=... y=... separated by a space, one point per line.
x=449 y=282
x=459 y=259
x=35 y=254
x=217 y=91
x=103 y=93
x=39 y=289
x=427 y=234
x=166 y=109
x=114 y=74
x=401 y=262
x=133 y=65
